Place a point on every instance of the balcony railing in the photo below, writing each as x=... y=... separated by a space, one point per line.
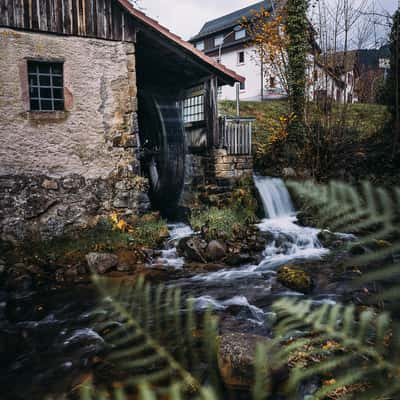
x=236 y=135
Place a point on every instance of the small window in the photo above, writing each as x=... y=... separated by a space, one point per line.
x=46 y=86
x=272 y=82
x=242 y=86
x=241 y=58
x=316 y=75
x=193 y=106
x=240 y=34
x=349 y=78
x=200 y=45
x=218 y=40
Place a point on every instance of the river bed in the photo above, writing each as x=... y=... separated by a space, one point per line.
x=48 y=338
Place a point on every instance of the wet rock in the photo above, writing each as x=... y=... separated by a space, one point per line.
x=215 y=251
x=305 y=219
x=236 y=352
x=236 y=260
x=358 y=249
x=295 y=279
x=127 y=260
x=289 y=173
x=191 y=249
x=329 y=239
x=101 y=262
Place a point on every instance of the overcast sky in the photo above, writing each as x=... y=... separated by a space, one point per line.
x=186 y=17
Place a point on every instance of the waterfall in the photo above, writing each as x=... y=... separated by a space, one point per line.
x=275 y=197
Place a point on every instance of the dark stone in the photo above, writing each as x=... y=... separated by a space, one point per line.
x=295 y=279
x=101 y=263
x=215 y=251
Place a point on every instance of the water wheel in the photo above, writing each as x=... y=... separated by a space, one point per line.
x=163 y=150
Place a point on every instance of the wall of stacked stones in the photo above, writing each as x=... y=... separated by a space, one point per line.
x=65 y=169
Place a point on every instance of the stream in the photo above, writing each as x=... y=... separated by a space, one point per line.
x=47 y=339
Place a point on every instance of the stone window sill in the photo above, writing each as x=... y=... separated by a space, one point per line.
x=47 y=115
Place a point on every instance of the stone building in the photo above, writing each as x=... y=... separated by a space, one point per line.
x=91 y=99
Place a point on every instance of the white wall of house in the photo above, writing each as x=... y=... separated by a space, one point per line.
x=320 y=81
x=251 y=70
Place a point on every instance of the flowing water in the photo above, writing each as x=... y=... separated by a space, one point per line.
x=53 y=331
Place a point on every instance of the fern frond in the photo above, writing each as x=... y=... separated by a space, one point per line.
x=152 y=335
x=372 y=214
x=368 y=352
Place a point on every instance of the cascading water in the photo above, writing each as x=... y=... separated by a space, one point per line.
x=290 y=242
x=275 y=197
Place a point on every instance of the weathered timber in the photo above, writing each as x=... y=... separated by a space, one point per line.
x=103 y=19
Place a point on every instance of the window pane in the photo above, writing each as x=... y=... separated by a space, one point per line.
x=57 y=81
x=200 y=45
x=240 y=34
x=59 y=105
x=56 y=68
x=33 y=80
x=44 y=80
x=31 y=67
x=218 y=40
x=47 y=105
x=34 y=92
x=44 y=68
x=35 y=105
x=45 y=93
x=58 y=93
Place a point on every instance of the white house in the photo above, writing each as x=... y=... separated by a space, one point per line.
x=225 y=40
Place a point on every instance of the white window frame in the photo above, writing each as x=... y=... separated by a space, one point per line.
x=238 y=57
x=200 y=45
x=240 y=34
x=218 y=40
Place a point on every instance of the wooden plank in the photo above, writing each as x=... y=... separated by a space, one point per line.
x=35 y=15
x=100 y=18
x=94 y=16
x=4 y=13
x=74 y=17
x=42 y=15
x=10 y=12
x=116 y=21
x=27 y=14
x=59 y=15
x=89 y=17
x=67 y=29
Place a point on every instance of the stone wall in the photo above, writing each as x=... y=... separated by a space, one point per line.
x=211 y=176
x=224 y=169
x=59 y=170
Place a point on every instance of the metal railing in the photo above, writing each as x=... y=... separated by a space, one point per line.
x=236 y=134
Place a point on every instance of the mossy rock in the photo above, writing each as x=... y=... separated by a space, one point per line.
x=295 y=279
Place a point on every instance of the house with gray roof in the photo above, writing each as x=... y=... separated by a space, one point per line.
x=225 y=40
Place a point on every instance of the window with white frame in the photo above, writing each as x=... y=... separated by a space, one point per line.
x=240 y=34
x=200 y=45
x=193 y=106
x=240 y=57
x=218 y=40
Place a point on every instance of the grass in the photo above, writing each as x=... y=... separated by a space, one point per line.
x=217 y=223
x=367 y=119
x=105 y=237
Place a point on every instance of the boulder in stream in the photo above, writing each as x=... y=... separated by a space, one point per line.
x=215 y=251
x=295 y=279
x=101 y=262
x=236 y=357
x=236 y=353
